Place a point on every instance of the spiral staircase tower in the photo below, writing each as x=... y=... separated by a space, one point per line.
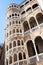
x=24 y=34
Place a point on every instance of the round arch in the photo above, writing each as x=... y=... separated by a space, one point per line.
x=39 y=18
x=26 y=26
x=20 y=56
x=39 y=44
x=32 y=22
x=30 y=48
x=35 y=5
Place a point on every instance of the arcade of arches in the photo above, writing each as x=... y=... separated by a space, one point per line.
x=39 y=46
x=33 y=22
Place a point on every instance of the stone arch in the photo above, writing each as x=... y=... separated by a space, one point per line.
x=39 y=18
x=26 y=26
x=39 y=44
x=30 y=48
x=15 y=57
x=14 y=43
x=10 y=59
x=20 y=56
x=10 y=45
x=35 y=5
x=18 y=42
x=32 y=22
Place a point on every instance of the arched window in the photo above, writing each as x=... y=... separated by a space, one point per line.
x=18 y=42
x=39 y=44
x=24 y=56
x=28 y=9
x=10 y=45
x=22 y=42
x=14 y=43
x=39 y=18
x=12 y=14
x=35 y=5
x=23 y=12
x=32 y=22
x=9 y=16
x=20 y=56
x=7 y=47
x=19 y=22
x=30 y=48
x=10 y=60
x=15 y=14
x=15 y=57
x=26 y=26
x=21 y=6
x=6 y=61
x=20 y=31
x=27 y=2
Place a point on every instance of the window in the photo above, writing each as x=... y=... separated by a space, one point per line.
x=12 y=5
x=18 y=42
x=21 y=6
x=10 y=60
x=22 y=42
x=39 y=44
x=23 y=12
x=34 y=6
x=10 y=45
x=39 y=18
x=14 y=43
x=32 y=22
x=7 y=47
x=20 y=56
x=15 y=14
x=15 y=57
x=24 y=56
x=27 y=2
x=30 y=0
x=19 y=22
x=28 y=9
x=26 y=26
x=18 y=14
x=30 y=48
x=12 y=14
x=20 y=31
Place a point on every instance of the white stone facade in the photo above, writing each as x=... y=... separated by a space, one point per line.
x=24 y=33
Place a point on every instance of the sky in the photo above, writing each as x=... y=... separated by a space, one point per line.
x=3 y=8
